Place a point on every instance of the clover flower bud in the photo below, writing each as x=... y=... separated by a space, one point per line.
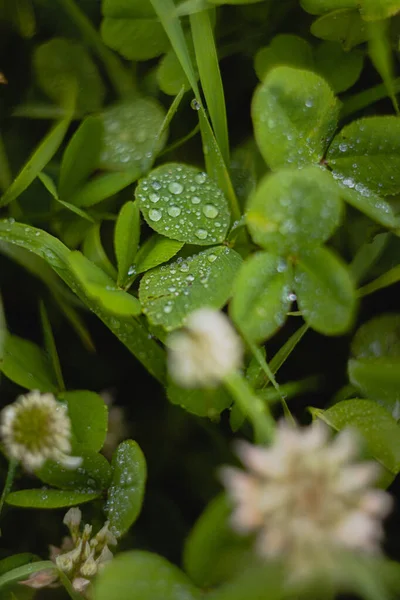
x=205 y=351
x=35 y=428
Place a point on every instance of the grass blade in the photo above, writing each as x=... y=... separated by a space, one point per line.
x=210 y=77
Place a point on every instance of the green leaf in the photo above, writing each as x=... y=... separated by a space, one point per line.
x=24 y=571
x=374 y=10
x=143 y=575
x=49 y=498
x=257 y=582
x=126 y=240
x=294 y=210
x=372 y=205
x=51 y=348
x=94 y=251
x=213 y=552
x=101 y=287
x=319 y=7
x=93 y=474
x=126 y=492
x=344 y=26
x=261 y=296
x=27 y=365
x=59 y=62
x=374 y=368
x=102 y=187
x=367 y=153
x=130 y=332
x=340 y=68
x=170 y=75
x=130 y=132
x=155 y=251
x=88 y=414
x=376 y=426
x=81 y=156
x=284 y=49
x=380 y=52
x=15 y=561
x=51 y=188
x=183 y=203
x=294 y=115
x=170 y=293
x=325 y=291
x=201 y=402
x=136 y=39
x=38 y=160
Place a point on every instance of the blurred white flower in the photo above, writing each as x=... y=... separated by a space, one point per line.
x=35 y=428
x=306 y=498
x=205 y=351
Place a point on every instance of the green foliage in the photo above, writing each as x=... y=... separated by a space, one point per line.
x=182 y=203
x=132 y=29
x=283 y=211
x=285 y=203
x=61 y=63
x=26 y=364
x=146 y=574
x=325 y=291
x=170 y=293
x=261 y=296
x=366 y=153
x=88 y=415
x=49 y=498
x=294 y=115
x=374 y=365
x=126 y=492
x=130 y=141
x=213 y=553
x=285 y=49
x=375 y=425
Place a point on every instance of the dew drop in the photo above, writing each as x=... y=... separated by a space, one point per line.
x=190 y=278
x=155 y=215
x=154 y=197
x=168 y=308
x=200 y=178
x=174 y=211
x=175 y=187
x=211 y=258
x=195 y=104
x=184 y=267
x=201 y=234
x=210 y=211
x=196 y=200
x=156 y=185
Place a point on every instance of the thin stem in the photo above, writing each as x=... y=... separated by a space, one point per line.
x=43 y=111
x=12 y=466
x=181 y=141
x=119 y=76
x=258 y=355
x=252 y=407
x=367 y=97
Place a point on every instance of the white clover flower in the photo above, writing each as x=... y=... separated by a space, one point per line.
x=82 y=555
x=35 y=428
x=205 y=351
x=306 y=499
